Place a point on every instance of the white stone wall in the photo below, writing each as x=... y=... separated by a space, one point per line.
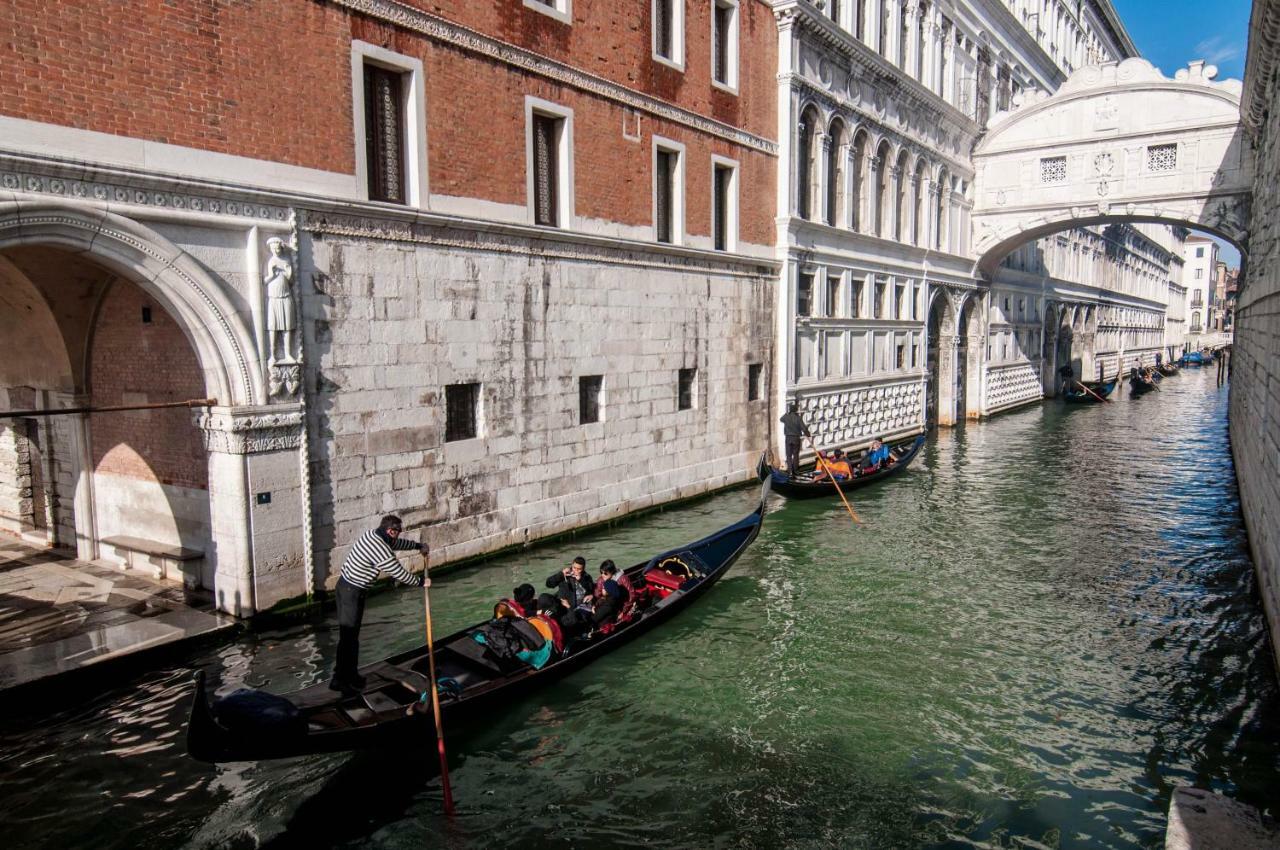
x=390 y=322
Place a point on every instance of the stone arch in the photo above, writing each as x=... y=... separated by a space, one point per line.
x=882 y=222
x=214 y=325
x=902 y=208
x=941 y=221
x=919 y=195
x=971 y=349
x=858 y=196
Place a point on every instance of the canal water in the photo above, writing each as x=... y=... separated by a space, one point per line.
x=1045 y=626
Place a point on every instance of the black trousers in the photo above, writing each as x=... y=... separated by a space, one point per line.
x=793 y=455
x=350 y=614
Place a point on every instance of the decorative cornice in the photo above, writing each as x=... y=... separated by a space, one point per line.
x=515 y=240
x=439 y=29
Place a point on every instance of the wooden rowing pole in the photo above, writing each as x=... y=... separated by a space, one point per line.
x=834 y=483
x=56 y=411
x=1081 y=385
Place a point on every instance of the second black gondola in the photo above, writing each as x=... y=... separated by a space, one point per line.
x=804 y=487
x=1101 y=389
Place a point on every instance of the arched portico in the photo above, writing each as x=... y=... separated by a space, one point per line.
x=1115 y=142
x=87 y=274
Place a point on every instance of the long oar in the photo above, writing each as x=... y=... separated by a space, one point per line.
x=1091 y=392
x=834 y=483
x=435 y=694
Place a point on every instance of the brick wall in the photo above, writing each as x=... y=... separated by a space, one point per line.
x=132 y=362
x=272 y=80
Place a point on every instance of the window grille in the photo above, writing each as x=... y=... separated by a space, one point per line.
x=460 y=411
x=685 y=395
x=855 y=299
x=754 y=371
x=833 y=295
x=546 y=205
x=589 y=390
x=723 y=184
x=878 y=306
x=1053 y=169
x=384 y=134
x=1162 y=157
x=665 y=166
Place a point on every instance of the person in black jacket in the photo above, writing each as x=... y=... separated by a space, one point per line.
x=574 y=588
x=793 y=427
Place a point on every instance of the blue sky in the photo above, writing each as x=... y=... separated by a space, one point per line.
x=1171 y=33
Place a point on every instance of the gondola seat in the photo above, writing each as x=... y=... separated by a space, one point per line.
x=667 y=576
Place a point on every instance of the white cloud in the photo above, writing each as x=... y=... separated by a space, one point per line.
x=1217 y=50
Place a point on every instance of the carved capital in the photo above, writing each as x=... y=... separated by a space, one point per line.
x=251 y=430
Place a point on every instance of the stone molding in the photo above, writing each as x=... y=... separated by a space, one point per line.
x=116 y=188
x=512 y=239
x=456 y=35
x=251 y=430
x=1259 y=72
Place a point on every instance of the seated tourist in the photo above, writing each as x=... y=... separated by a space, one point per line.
x=521 y=604
x=837 y=465
x=876 y=456
x=573 y=585
x=610 y=598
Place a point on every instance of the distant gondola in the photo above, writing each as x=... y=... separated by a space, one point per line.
x=1101 y=389
x=1194 y=358
x=1168 y=369
x=1138 y=385
x=804 y=487
x=389 y=709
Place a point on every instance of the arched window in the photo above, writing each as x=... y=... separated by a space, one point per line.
x=883 y=198
x=918 y=203
x=902 y=205
x=940 y=212
x=858 y=201
x=805 y=165
x=835 y=174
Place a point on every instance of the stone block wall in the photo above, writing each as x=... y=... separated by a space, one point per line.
x=1255 y=358
x=389 y=323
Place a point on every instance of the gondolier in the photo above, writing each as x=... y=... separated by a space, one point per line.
x=372 y=554
x=793 y=428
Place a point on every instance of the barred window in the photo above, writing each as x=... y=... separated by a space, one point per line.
x=1053 y=169
x=664 y=29
x=590 y=388
x=1162 y=157
x=855 y=298
x=754 y=371
x=461 y=403
x=384 y=134
x=804 y=294
x=546 y=171
x=724 y=20
x=684 y=399
x=878 y=307
x=834 y=282
x=723 y=181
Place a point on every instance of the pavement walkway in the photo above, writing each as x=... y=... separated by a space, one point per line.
x=58 y=614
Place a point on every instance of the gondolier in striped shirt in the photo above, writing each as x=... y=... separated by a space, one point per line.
x=372 y=554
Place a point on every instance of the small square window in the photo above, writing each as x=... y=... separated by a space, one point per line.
x=590 y=391
x=1053 y=169
x=804 y=294
x=685 y=397
x=899 y=359
x=878 y=305
x=754 y=371
x=855 y=298
x=461 y=412
x=834 y=282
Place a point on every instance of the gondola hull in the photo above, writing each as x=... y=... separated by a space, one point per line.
x=1101 y=390
x=1168 y=369
x=1141 y=387
x=799 y=488
x=391 y=710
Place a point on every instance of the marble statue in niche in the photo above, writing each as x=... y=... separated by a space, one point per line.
x=281 y=323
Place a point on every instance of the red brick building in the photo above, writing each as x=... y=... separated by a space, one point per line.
x=502 y=267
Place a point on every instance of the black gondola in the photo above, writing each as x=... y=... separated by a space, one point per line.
x=804 y=487
x=1101 y=389
x=1168 y=369
x=392 y=708
x=1140 y=385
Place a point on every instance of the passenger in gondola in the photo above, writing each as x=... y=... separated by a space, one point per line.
x=522 y=603
x=837 y=465
x=610 y=597
x=877 y=456
x=573 y=585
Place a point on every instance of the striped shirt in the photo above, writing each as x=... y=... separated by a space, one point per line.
x=370 y=555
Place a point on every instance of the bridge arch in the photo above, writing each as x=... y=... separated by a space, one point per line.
x=1117 y=142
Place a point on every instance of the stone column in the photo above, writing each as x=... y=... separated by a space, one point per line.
x=255 y=506
x=824 y=178
x=948 y=346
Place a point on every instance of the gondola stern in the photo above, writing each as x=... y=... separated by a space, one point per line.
x=202 y=729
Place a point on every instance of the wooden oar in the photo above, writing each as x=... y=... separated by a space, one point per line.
x=435 y=692
x=834 y=482
x=1091 y=392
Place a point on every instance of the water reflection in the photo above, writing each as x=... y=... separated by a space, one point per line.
x=1042 y=629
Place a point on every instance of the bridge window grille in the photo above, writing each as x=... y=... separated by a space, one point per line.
x=590 y=389
x=685 y=390
x=461 y=407
x=1053 y=169
x=754 y=371
x=1162 y=157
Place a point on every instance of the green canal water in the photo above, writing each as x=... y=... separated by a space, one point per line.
x=1044 y=627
